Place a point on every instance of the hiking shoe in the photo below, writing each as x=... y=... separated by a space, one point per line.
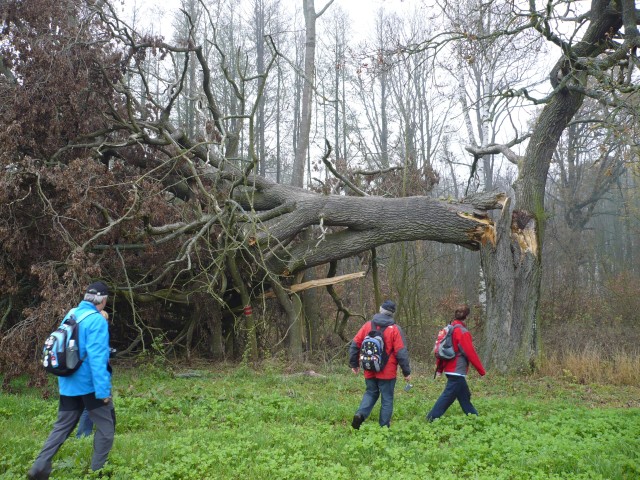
x=36 y=475
x=357 y=421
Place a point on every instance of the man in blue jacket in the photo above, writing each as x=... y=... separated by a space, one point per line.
x=89 y=387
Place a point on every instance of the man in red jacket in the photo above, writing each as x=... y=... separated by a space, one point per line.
x=380 y=383
x=456 y=369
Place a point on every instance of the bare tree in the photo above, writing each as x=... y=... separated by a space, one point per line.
x=484 y=64
x=588 y=166
x=302 y=146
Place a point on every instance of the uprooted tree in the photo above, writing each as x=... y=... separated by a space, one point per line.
x=100 y=180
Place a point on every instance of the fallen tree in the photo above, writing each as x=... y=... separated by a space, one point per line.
x=109 y=184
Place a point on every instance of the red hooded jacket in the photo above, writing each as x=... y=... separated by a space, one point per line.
x=465 y=353
x=394 y=345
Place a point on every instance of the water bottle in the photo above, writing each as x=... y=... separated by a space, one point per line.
x=72 y=354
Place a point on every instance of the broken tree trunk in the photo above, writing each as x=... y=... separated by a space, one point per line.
x=346 y=226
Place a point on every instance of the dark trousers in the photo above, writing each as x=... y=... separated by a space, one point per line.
x=375 y=389
x=85 y=425
x=456 y=389
x=69 y=411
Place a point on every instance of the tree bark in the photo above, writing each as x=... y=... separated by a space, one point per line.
x=362 y=223
x=248 y=323
x=513 y=266
x=302 y=146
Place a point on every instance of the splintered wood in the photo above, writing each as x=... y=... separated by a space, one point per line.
x=523 y=231
x=322 y=282
x=483 y=233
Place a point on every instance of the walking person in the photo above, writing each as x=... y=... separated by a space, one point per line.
x=456 y=369
x=89 y=387
x=382 y=383
x=85 y=425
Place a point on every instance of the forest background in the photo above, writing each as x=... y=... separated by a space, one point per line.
x=223 y=179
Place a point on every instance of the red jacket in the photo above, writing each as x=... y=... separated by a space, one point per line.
x=465 y=353
x=394 y=345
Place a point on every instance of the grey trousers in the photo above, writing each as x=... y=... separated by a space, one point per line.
x=104 y=418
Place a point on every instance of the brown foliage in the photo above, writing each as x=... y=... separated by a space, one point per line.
x=57 y=204
x=57 y=57
x=623 y=296
x=48 y=215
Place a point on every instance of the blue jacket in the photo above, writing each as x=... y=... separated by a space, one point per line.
x=93 y=337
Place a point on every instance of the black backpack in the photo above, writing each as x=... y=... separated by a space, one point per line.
x=61 y=352
x=372 y=354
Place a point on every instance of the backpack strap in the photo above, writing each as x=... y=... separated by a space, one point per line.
x=453 y=327
x=78 y=320
x=85 y=316
x=374 y=328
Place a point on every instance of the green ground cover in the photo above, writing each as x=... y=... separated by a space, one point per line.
x=236 y=423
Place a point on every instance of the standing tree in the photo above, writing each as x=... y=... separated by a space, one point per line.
x=302 y=146
x=608 y=41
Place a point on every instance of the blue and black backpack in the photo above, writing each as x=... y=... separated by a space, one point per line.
x=372 y=354
x=61 y=352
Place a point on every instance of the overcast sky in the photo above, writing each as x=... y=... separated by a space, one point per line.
x=362 y=12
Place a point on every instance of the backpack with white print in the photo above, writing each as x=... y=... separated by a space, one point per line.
x=61 y=352
x=372 y=354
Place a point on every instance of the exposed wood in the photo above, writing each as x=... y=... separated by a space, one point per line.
x=321 y=282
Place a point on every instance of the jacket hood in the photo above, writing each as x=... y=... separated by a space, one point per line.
x=382 y=320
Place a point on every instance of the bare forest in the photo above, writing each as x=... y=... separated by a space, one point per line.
x=255 y=183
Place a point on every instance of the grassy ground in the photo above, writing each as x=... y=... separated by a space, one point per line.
x=236 y=423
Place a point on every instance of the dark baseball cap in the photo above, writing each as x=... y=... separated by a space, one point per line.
x=98 y=288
